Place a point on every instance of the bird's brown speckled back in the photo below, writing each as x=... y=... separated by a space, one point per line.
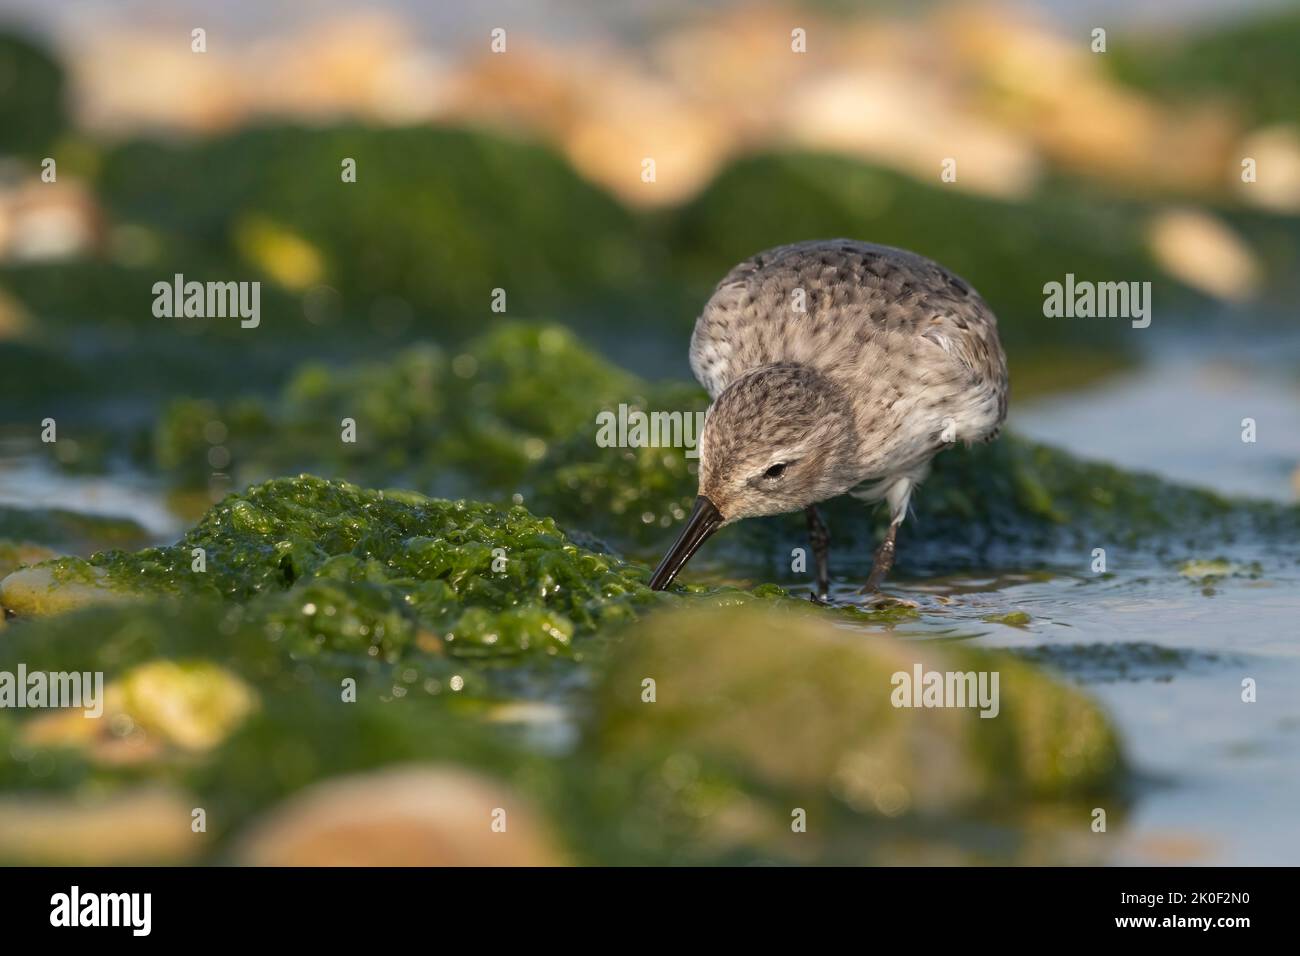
x=912 y=343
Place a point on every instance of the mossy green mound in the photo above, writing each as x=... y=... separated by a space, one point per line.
x=490 y=212
x=731 y=727
x=374 y=572
x=15 y=554
x=458 y=420
x=1251 y=63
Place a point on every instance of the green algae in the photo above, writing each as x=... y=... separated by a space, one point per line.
x=333 y=567
x=314 y=586
x=1209 y=571
x=475 y=417
x=1010 y=619
x=246 y=720
x=728 y=683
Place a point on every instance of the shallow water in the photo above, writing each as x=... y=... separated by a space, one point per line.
x=1218 y=777
x=28 y=481
x=1180 y=415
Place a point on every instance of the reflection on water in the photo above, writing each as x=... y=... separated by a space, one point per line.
x=30 y=482
x=1181 y=416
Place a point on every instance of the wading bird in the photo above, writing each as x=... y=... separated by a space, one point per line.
x=835 y=367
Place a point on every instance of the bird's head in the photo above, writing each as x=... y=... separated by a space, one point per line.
x=778 y=439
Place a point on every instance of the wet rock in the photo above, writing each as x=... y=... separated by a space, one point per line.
x=402 y=816
x=15 y=554
x=787 y=705
x=1209 y=571
x=47 y=589
x=334 y=567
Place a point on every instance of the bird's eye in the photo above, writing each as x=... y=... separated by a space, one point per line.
x=776 y=471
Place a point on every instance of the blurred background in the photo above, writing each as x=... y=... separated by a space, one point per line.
x=523 y=169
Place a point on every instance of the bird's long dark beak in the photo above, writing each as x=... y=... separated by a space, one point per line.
x=704 y=520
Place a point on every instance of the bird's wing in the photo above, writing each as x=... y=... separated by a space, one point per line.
x=843 y=287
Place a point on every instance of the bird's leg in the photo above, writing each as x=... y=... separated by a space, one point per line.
x=884 y=560
x=820 y=539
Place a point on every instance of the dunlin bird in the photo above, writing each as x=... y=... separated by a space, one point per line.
x=835 y=367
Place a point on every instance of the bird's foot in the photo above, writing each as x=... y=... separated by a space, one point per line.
x=820 y=597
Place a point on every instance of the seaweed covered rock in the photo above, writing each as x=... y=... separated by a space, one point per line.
x=32 y=536
x=330 y=566
x=207 y=698
x=726 y=724
x=15 y=554
x=50 y=589
x=1186 y=67
x=456 y=421
x=490 y=212
x=336 y=631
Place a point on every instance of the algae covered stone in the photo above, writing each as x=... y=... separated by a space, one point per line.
x=475 y=418
x=794 y=706
x=330 y=566
x=58 y=586
x=15 y=554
